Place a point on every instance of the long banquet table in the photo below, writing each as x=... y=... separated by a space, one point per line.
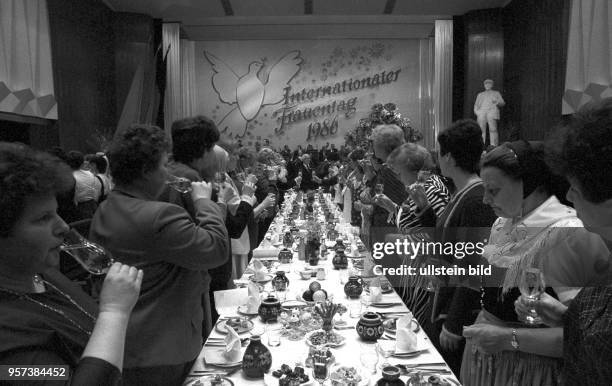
x=292 y=352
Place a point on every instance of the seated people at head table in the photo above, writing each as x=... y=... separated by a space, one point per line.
x=165 y=333
x=581 y=151
x=533 y=231
x=45 y=319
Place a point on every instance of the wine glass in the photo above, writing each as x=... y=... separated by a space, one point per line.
x=532 y=287
x=379 y=189
x=368 y=357
x=180 y=184
x=423 y=176
x=91 y=256
x=385 y=348
x=341 y=310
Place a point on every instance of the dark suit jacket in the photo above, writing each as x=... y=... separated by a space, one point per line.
x=161 y=238
x=307 y=182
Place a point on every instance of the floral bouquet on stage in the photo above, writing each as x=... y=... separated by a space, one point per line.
x=380 y=114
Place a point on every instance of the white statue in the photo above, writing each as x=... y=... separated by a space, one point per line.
x=486 y=109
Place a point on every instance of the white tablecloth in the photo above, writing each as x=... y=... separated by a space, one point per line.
x=291 y=352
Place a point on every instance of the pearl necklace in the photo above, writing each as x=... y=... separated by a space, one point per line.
x=37 y=279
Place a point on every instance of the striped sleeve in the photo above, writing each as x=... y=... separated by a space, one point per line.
x=438 y=197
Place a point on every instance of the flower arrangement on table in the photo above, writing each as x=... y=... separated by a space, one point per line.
x=386 y=114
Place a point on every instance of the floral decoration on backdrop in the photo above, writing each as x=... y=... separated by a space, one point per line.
x=386 y=114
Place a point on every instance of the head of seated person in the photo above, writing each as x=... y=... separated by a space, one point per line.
x=407 y=160
x=193 y=140
x=385 y=139
x=460 y=149
x=517 y=179
x=581 y=150
x=31 y=231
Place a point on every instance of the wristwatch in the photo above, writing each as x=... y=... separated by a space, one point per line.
x=514 y=342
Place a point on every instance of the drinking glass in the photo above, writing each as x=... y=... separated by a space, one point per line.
x=355 y=310
x=532 y=287
x=369 y=357
x=180 y=184
x=379 y=189
x=273 y=330
x=385 y=348
x=91 y=256
x=341 y=310
x=423 y=176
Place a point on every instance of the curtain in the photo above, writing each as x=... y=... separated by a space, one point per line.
x=26 y=77
x=426 y=58
x=172 y=102
x=188 y=79
x=443 y=76
x=589 y=55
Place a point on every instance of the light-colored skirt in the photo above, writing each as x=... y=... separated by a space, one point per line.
x=506 y=368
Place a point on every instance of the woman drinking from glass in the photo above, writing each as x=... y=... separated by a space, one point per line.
x=45 y=319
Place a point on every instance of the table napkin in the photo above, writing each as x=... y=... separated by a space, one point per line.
x=375 y=291
x=406 y=338
x=259 y=270
x=254 y=298
x=232 y=345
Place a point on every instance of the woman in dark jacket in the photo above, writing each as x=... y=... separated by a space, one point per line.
x=45 y=319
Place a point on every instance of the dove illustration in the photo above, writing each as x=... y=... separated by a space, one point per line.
x=251 y=91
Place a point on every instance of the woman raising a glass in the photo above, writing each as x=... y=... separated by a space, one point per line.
x=45 y=319
x=534 y=230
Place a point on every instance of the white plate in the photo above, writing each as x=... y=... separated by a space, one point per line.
x=423 y=344
x=220 y=327
x=267 y=278
x=226 y=365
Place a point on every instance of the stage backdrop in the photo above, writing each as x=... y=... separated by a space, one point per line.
x=305 y=91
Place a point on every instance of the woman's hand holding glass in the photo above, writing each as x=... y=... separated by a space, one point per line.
x=417 y=193
x=549 y=309
x=226 y=192
x=248 y=189
x=384 y=202
x=532 y=287
x=201 y=190
x=120 y=289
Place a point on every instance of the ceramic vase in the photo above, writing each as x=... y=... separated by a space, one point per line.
x=257 y=359
x=370 y=326
x=280 y=281
x=353 y=287
x=269 y=309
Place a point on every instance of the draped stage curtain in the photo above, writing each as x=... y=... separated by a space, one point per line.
x=443 y=76
x=172 y=103
x=188 y=79
x=26 y=77
x=589 y=56
x=426 y=58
